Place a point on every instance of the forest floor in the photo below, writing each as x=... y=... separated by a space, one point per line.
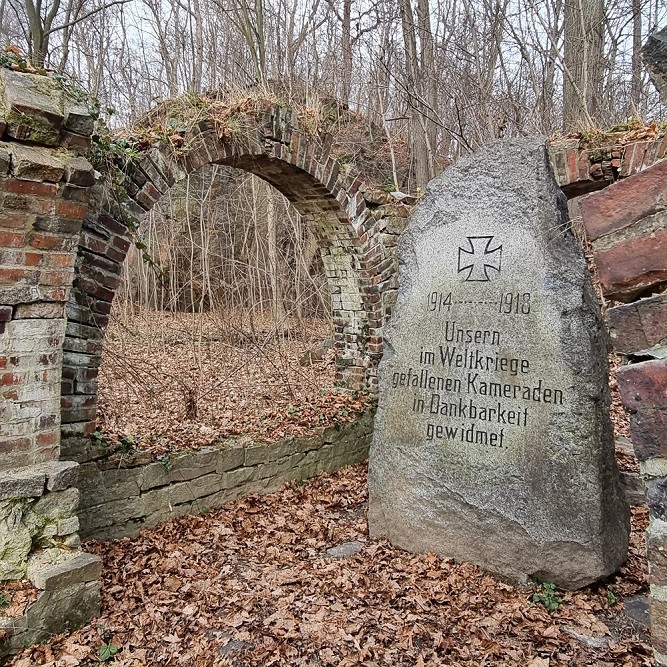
x=256 y=583
x=170 y=381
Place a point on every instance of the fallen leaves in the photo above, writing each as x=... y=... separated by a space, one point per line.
x=171 y=381
x=252 y=584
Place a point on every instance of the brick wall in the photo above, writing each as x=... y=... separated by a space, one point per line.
x=356 y=229
x=627 y=227
x=44 y=188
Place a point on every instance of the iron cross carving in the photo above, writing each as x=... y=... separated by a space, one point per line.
x=479 y=259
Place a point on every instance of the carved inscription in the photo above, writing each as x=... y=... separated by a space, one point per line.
x=472 y=387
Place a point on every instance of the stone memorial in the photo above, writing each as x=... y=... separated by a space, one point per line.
x=493 y=442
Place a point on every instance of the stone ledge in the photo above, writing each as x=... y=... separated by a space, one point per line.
x=53 y=612
x=49 y=576
x=22 y=483
x=117 y=501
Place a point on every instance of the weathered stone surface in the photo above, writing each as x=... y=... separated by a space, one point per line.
x=493 y=442
x=25 y=482
x=53 y=612
x=78 y=569
x=78 y=119
x=642 y=387
x=633 y=487
x=35 y=164
x=634 y=265
x=15 y=540
x=639 y=327
x=345 y=550
x=61 y=475
x=79 y=171
x=68 y=526
x=33 y=107
x=654 y=54
x=57 y=505
x=625 y=202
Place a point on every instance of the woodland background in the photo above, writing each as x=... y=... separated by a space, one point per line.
x=232 y=269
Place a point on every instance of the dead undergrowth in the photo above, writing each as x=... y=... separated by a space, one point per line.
x=175 y=381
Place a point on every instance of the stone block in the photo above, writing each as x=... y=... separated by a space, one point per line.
x=492 y=440
x=637 y=327
x=78 y=119
x=15 y=539
x=658 y=616
x=229 y=458
x=643 y=389
x=60 y=475
x=79 y=172
x=28 y=482
x=36 y=164
x=57 y=505
x=33 y=107
x=48 y=575
x=633 y=487
x=654 y=55
x=632 y=265
x=5 y=161
x=68 y=526
x=625 y=202
x=97 y=517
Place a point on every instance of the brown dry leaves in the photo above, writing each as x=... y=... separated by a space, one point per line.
x=251 y=584
x=174 y=381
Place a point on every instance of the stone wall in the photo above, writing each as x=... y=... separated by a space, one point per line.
x=627 y=227
x=119 y=497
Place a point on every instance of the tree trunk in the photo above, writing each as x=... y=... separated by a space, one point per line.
x=583 y=63
x=636 y=80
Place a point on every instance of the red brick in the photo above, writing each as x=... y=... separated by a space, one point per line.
x=13 y=445
x=12 y=239
x=49 y=242
x=10 y=379
x=15 y=220
x=48 y=438
x=643 y=390
x=30 y=188
x=72 y=210
x=17 y=275
x=625 y=202
x=39 y=310
x=33 y=258
x=54 y=294
x=633 y=265
x=29 y=204
x=644 y=385
x=54 y=278
x=640 y=325
x=5 y=313
x=62 y=259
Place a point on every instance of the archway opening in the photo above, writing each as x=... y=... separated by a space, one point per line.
x=222 y=326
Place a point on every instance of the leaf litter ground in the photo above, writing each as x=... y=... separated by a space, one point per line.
x=173 y=381
x=252 y=584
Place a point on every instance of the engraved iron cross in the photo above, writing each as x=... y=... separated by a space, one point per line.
x=479 y=259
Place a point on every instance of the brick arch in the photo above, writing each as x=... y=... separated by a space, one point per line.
x=355 y=237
